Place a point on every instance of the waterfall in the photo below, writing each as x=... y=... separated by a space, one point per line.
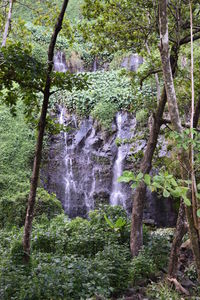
x=84 y=163
x=78 y=184
x=118 y=196
x=69 y=181
x=60 y=62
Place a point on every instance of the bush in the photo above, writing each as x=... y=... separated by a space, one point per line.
x=65 y=277
x=153 y=258
x=77 y=259
x=80 y=236
x=107 y=215
x=104 y=112
x=158 y=247
x=161 y=291
x=13 y=210
x=191 y=272
x=115 y=264
x=142 y=267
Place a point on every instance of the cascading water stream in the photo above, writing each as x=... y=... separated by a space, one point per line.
x=118 y=197
x=60 y=62
x=70 y=186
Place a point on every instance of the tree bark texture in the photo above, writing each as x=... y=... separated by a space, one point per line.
x=196 y=113
x=176 y=123
x=180 y=231
x=41 y=129
x=7 y=25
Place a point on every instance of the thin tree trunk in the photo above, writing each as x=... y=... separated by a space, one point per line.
x=181 y=227
x=196 y=114
x=5 y=34
x=136 y=238
x=42 y=123
x=176 y=122
x=181 y=230
x=195 y=203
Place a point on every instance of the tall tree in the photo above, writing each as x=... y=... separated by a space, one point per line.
x=42 y=123
x=129 y=33
x=176 y=123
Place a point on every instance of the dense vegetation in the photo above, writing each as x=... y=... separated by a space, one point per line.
x=91 y=258
x=79 y=258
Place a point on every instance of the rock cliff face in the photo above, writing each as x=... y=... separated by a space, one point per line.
x=83 y=166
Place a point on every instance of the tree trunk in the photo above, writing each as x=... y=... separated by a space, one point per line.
x=176 y=122
x=181 y=227
x=181 y=230
x=136 y=238
x=7 y=25
x=41 y=129
x=196 y=114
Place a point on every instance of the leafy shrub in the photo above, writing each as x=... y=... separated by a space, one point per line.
x=191 y=272
x=106 y=87
x=116 y=262
x=158 y=247
x=154 y=256
x=66 y=277
x=54 y=277
x=104 y=112
x=75 y=237
x=142 y=267
x=112 y=212
x=59 y=276
x=142 y=116
x=13 y=210
x=161 y=291
x=98 y=219
x=75 y=259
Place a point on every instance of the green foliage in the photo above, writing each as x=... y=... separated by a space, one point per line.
x=104 y=112
x=191 y=272
x=153 y=257
x=162 y=291
x=108 y=23
x=162 y=182
x=28 y=83
x=77 y=259
x=40 y=39
x=142 y=115
x=183 y=140
x=13 y=209
x=16 y=152
x=70 y=259
x=106 y=87
x=158 y=247
x=74 y=10
x=107 y=93
x=142 y=267
x=113 y=213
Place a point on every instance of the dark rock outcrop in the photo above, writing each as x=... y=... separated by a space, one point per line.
x=83 y=166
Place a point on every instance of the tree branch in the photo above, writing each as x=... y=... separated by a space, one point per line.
x=151 y=72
